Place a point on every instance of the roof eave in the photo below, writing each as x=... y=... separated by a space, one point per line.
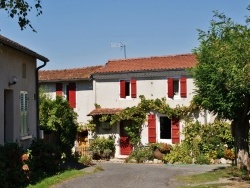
x=63 y=80
x=16 y=46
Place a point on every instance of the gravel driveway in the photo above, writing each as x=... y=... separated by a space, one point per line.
x=123 y=175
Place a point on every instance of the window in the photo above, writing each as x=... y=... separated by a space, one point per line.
x=59 y=88
x=169 y=130
x=165 y=128
x=177 y=87
x=70 y=92
x=24 y=112
x=105 y=125
x=24 y=70
x=128 y=88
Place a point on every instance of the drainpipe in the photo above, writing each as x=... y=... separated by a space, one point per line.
x=37 y=100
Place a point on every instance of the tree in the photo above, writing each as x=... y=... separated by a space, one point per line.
x=57 y=116
x=21 y=8
x=222 y=78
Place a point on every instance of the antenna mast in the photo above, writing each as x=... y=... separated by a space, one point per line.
x=119 y=45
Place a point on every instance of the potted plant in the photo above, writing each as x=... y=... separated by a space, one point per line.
x=160 y=149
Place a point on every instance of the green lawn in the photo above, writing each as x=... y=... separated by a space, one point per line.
x=60 y=177
x=214 y=179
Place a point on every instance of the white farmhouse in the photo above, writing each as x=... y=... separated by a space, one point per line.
x=118 y=84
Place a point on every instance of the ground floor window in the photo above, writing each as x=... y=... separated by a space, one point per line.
x=165 y=128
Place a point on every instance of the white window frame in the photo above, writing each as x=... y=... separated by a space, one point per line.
x=177 y=95
x=24 y=128
x=126 y=96
x=158 y=125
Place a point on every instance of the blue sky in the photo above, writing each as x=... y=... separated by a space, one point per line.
x=78 y=33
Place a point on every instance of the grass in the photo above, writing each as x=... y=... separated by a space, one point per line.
x=211 y=179
x=60 y=177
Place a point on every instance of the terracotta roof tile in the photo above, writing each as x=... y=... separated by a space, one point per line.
x=67 y=74
x=15 y=45
x=102 y=111
x=149 y=63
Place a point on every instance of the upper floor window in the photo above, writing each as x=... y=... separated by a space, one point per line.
x=70 y=92
x=177 y=87
x=128 y=88
x=23 y=70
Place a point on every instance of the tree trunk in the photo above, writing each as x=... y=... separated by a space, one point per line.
x=240 y=129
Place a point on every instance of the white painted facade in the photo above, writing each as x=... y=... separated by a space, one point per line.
x=85 y=96
x=108 y=96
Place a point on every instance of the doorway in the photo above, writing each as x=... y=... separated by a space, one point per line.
x=8 y=116
x=125 y=146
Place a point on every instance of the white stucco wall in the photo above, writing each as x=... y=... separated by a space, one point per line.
x=108 y=92
x=85 y=97
x=11 y=65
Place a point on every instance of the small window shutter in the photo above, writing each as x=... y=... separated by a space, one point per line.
x=183 y=82
x=72 y=94
x=170 y=87
x=175 y=131
x=133 y=88
x=122 y=89
x=24 y=112
x=58 y=89
x=151 y=128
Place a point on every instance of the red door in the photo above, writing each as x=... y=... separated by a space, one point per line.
x=175 y=131
x=125 y=146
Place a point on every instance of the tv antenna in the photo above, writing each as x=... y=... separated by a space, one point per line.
x=119 y=45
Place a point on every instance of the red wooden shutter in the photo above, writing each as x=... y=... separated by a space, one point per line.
x=122 y=89
x=133 y=88
x=175 y=131
x=151 y=128
x=170 y=87
x=72 y=94
x=183 y=82
x=58 y=89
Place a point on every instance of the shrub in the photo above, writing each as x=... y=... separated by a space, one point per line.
x=202 y=159
x=57 y=116
x=142 y=154
x=102 y=148
x=45 y=159
x=229 y=154
x=85 y=159
x=13 y=170
x=179 y=154
x=163 y=147
x=202 y=142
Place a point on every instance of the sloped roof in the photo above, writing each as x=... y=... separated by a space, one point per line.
x=104 y=111
x=15 y=45
x=67 y=74
x=170 y=62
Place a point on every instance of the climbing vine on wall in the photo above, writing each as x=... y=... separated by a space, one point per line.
x=137 y=115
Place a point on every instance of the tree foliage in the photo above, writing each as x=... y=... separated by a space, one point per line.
x=57 y=116
x=222 y=76
x=21 y=9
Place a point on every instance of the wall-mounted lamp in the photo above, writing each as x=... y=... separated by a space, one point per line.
x=13 y=80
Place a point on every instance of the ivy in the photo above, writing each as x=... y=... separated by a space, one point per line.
x=137 y=115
